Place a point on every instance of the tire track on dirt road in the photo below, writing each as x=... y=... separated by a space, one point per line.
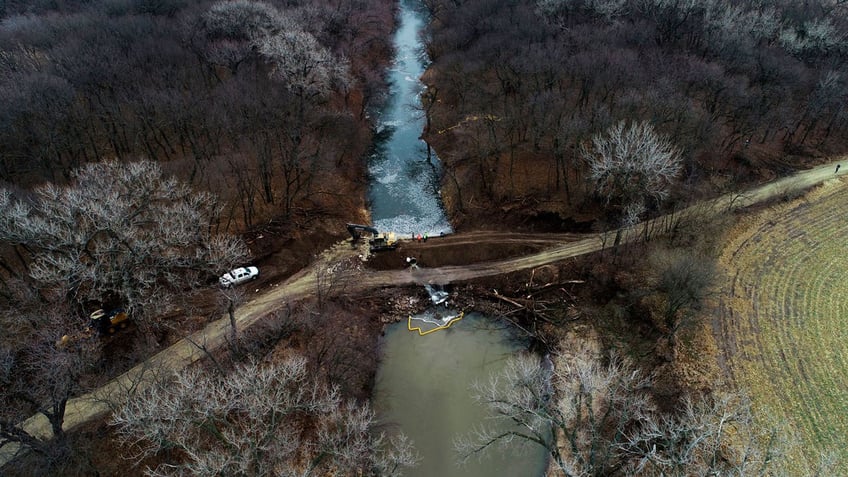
x=303 y=284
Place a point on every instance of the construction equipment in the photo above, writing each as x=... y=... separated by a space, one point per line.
x=108 y=322
x=379 y=242
x=384 y=241
x=101 y=321
x=356 y=231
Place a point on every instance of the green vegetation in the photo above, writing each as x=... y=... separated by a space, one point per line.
x=783 y=319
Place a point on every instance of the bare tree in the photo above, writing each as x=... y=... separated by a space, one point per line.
x=607 y=9
x=310 y=73
x=579 y=410
x=257 y=420
x=598 y=418
x=230 y=299
x=734 y=30
x=709 y=436
x=813 y=39
x=40 y=375
x=119 y=233
x=344 y=359
x=303 y=65
x=242 y=20
x=227 y=33
x=631 y=164
x=685 y=279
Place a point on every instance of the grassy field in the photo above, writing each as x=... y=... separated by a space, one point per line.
x=783 y=328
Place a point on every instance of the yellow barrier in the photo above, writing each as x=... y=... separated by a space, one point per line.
x=442 y=327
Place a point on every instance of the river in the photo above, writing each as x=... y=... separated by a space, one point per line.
x=404 y=187
x=423 y=382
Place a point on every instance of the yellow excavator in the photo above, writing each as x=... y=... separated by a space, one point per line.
x=379 y=242
x=101 y=321
x=108 y=322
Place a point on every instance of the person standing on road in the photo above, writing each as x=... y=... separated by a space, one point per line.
x=837 y=168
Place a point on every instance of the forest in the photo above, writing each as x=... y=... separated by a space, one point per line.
x=517 y=89
x=148 y=146
x=201 y=88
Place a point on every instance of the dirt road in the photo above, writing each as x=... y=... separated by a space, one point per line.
x=326 y=272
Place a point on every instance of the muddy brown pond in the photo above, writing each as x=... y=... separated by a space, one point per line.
x=423 y=389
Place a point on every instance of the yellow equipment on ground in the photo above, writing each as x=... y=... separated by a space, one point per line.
x=109 y=322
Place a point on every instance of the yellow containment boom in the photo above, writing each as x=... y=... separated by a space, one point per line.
x=445 y=324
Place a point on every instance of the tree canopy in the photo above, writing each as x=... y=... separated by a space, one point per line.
x=272 y=419
x=119 y=234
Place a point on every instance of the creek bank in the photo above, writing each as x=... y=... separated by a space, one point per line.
x=499 y=298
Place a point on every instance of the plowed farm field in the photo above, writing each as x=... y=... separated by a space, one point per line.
x=783 y=326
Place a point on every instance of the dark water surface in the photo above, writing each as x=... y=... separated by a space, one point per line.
x=404 y=191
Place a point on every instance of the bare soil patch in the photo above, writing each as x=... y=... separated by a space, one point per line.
x=468 y=248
